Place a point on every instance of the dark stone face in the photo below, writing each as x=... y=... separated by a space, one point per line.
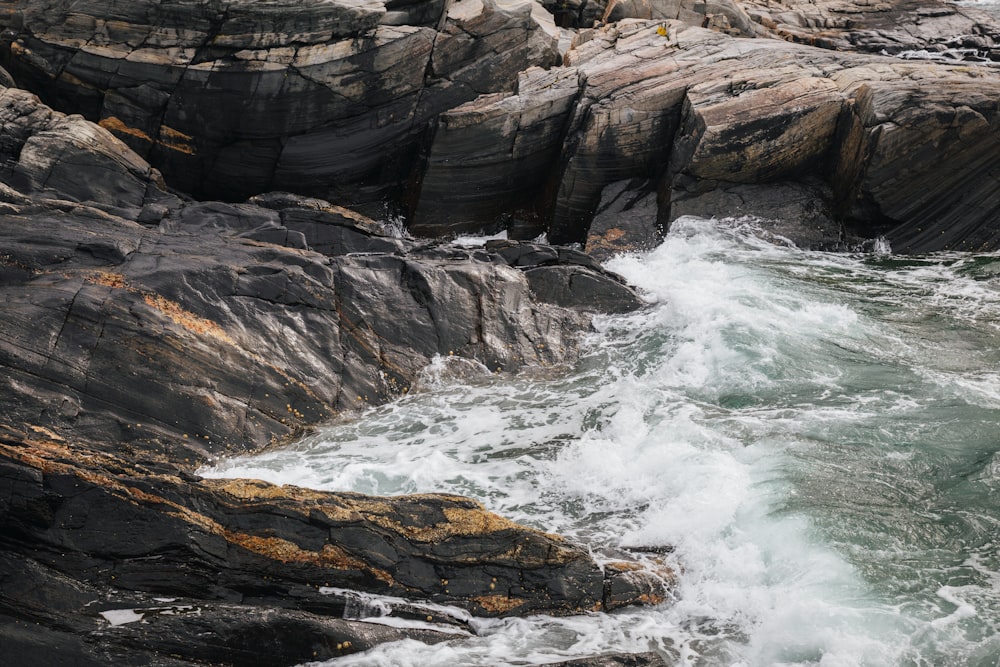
x=144 y=333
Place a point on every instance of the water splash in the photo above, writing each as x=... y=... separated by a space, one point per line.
x=814 y=433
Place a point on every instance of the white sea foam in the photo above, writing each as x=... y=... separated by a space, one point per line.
x=121 y=616
x=778 y=418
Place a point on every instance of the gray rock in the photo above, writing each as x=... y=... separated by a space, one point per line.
x=234 y=99
x=627 y=220
x=903 y=149
x=134 y=350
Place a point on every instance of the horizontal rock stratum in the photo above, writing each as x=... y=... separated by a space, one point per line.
x=473 y=115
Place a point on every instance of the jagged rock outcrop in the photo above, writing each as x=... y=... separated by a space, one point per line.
x=957 y=31
x=110 y=540
x=145 y=333
x=457 y=113
x=230 y=99
x=890 y=147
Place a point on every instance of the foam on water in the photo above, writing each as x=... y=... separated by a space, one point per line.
x=814 y=434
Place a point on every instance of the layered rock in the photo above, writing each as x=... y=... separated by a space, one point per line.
x=887 y=146
x=231 y=99
x=957 y=31
x=453 y=111
x=145 y=333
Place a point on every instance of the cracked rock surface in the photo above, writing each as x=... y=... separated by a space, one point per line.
x=145 y=333
x=232 y=98
x=470 y=115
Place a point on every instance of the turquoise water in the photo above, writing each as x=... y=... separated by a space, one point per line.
x=815 y=435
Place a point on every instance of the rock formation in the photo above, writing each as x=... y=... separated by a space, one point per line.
x=145 y=333
x=887 y=146
x=231 y=99
x=458 y=114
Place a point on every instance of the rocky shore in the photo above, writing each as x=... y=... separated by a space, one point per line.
x=195 y=261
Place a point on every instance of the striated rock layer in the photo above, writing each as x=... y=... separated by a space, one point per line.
x=465 y=116
x=144 y=333
x=230 y=99
x=906 y=149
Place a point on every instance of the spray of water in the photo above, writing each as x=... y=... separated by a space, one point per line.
x=813 y=434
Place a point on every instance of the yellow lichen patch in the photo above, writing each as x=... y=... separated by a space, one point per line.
x=115 y=124
x=255 y=489
x=186 y=318
x=107 y=279
x=174 y=135
x=285 y=551
x=651 y=599
x=66 y=77
x=46 y=432
x=613 y=234
x=463 y=521
x=609 y=240
x=169 y=137
x=41 y=455
x=175 y=140
x=498 y=604
x=350 y=215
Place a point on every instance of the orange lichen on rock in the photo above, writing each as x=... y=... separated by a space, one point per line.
x=498 y=604
x=57 y=458
x=169 y=137
x=186 y=318
x=114 y=124
x=459 y=521
x=106 y=279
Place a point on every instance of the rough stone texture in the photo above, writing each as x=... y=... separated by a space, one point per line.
x=891 y=26
x=724 y=15
x=231 y=99
x=785 y=211
x=144 y=333
x=501 y=149
x=436 y=107
x=906 y=148
x=627 y=220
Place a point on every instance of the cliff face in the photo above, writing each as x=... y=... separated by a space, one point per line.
x=900 y=148
x=459 y=115
x=231 y=99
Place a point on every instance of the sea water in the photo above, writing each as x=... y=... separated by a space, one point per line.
x=815 y=435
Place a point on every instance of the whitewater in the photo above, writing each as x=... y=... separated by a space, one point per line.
x=810 y=439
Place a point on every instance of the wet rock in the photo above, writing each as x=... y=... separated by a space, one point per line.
x=233 y=99
x=145 y=334
x=787 y=212
x=573 y=287
x=627 y=220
